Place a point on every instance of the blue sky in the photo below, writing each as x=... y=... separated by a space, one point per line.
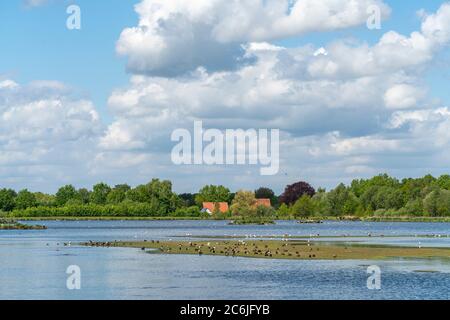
x=37 y=45
x=128 y=85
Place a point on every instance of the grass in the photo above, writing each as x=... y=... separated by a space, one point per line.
x=269 y=221
x=107 y=218
x=406 y=219
x=252 y=220
x=13 y=225
x=312 y=236
x=275 y=249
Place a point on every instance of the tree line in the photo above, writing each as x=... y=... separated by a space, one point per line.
x=381 y=195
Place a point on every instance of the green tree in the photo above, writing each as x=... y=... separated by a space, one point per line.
x=303 y=207
x=84 y=195
x=342 y=201
x=437 y=203
x=65 y=194
x=100 y=193
x=44 y=200
x=383 y=197
x=265 y=212
x=188 y=199
x=25 y=199
x=321 y=203
x=444 y=182
x=430 y=203
x=412 y=208
x=122 y=187
x=118 y=194
x=157 y=193
x=359 y=187
x=443 y=208
x=283 y=211
x=212 y=193
x=7 y=197
x=244 y=203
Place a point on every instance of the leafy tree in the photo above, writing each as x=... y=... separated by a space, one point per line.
x=188 y=199
x=437 y=203
x=294 y=191
x=412 y=208
x=122 y=187
x=7 y=197
x=342 y=201
x=321 y=203
x=84 y=195
x=430 y=203
x=413 y=189
x=118 y=194
x=74 y=202
x=212 y=193
x=283 y=210
x=25 y=199
x=244 y=203
x=382 y=197
x=157 y=193
x=46 y=200
x=443 y=207
x=263 y=211
x=444 y=182
x=303 y=207
x=368 y=198
x=65 y=194
x=100 y=193
x=359 y=187
x=264 y=193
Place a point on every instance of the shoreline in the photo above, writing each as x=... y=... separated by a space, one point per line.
x=273 y=249
x=318 y=219
x=19 y=226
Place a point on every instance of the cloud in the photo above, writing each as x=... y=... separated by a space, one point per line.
x=403 y=96
x=35 y=3
x=46 y=134
x=346 y=107
x=176 y=36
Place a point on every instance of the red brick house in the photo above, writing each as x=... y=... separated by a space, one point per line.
x=263 y=202
x=211 y=207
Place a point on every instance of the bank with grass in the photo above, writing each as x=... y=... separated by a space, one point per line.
x=381 y=198
x=6 y=224
x=279 y=249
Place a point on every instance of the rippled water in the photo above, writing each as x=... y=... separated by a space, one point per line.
x=33 y=263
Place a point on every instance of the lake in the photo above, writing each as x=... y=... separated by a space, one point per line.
x=33 y=264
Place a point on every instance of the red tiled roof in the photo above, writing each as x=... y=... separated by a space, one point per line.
x=263 y=202
x=211 y=206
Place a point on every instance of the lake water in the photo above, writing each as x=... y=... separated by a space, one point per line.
x=33 y=264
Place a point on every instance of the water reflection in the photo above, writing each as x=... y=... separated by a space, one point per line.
x=34 y=263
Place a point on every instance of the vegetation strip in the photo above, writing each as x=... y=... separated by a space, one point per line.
x=13 y=225
x=302 y=237
x=381 y=198
x=273 y=249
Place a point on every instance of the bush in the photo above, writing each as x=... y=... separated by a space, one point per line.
x=193 y=212
x=303 y=207
x=263 y=211
x=126 y=209
x=283 y=211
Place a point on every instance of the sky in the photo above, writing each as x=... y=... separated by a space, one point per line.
x=100 y=103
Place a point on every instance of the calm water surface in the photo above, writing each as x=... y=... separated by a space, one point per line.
x=33 y=263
